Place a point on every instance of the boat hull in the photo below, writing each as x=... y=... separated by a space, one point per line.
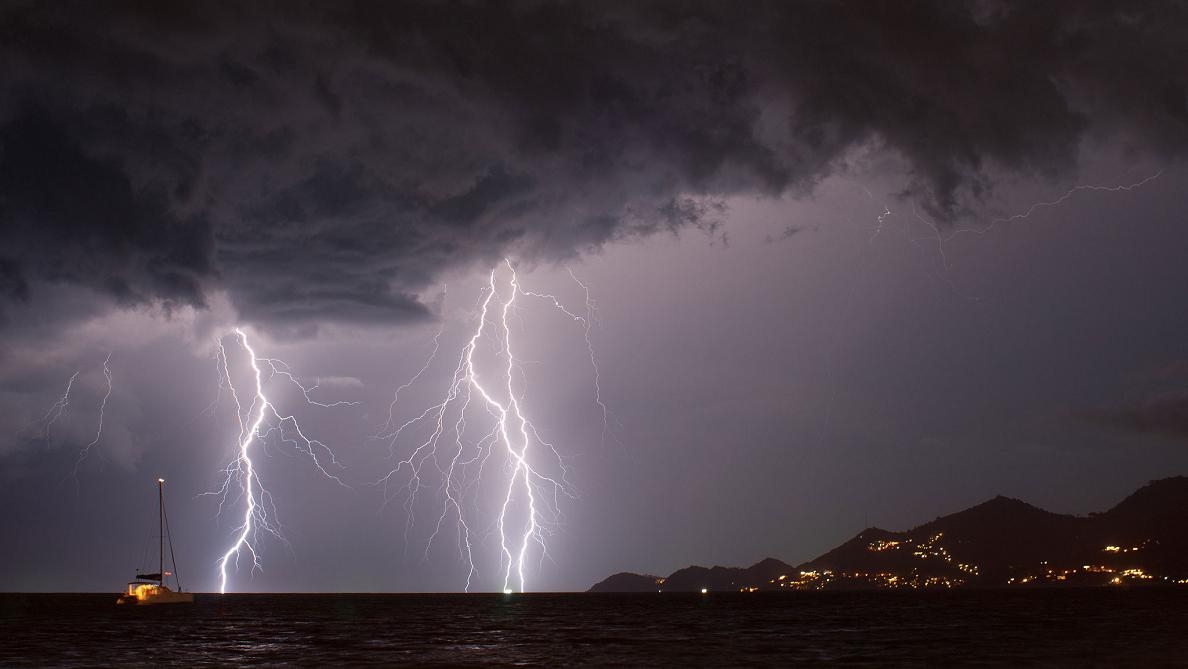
x=141 y=595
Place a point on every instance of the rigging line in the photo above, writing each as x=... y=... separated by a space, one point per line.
x=172 y=557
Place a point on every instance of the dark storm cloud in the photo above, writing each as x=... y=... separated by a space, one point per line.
x=1165 y=414
x=327 y=162
x=90 y=226
x=1162 y=407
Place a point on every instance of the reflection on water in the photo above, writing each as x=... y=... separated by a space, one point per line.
x=1074 y=628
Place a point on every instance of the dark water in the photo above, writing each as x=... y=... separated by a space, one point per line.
x=1036 y=628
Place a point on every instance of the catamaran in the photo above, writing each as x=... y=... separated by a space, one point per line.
x=143 y=591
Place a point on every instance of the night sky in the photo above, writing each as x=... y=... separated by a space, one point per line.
x=854 y=264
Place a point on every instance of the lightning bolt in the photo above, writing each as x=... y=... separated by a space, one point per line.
x=535 y=472
x=58 y=408
x=939 y=236
x=587 y=322
x=1073 y=191
x=942 y=239
x=878 y=228
x=879 y=222
x=259 y=421
x=86 y=450
x=415 y=377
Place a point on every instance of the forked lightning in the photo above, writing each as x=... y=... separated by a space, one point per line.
x=534 y=472
x=257 y=423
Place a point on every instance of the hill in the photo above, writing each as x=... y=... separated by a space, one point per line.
x=1001 y=542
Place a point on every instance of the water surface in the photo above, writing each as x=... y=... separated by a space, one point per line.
x=1033 y=628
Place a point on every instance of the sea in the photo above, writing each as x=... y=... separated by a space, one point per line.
x=1102 y=627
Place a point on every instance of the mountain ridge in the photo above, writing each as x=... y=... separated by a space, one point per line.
x=1003 y=541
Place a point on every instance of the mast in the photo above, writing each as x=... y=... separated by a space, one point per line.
x=161 y=531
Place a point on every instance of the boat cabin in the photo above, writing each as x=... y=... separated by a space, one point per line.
x=142 y=591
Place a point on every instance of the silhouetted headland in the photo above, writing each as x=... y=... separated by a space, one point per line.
x=1002 y=542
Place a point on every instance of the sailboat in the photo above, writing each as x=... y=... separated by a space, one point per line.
x=143 y=591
